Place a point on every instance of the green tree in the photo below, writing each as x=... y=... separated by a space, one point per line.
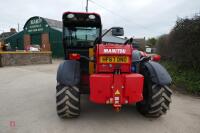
x=182 y=44
x=152 y=41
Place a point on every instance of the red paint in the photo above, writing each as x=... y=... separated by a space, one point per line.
x=111 y=67
x=117 y=93
x=134 y=87
x=109 y=87
x=74 y=56
x=156 y=57
x=113 y=83
x=100 y=87
x=104 y=86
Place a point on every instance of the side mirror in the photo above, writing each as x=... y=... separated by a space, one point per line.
x=117 y=31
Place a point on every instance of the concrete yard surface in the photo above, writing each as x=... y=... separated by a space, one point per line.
x=28 y=105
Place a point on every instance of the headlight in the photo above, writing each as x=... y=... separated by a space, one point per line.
x=91 y=17
x=70 y=15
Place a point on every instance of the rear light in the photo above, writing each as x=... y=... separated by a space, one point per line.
x=74 y=56
x=155 y=58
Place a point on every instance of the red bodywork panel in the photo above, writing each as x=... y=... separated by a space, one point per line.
x=114 y=83
x=105 y=87
x=113 y=50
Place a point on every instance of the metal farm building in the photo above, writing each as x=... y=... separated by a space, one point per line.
x=46 y=33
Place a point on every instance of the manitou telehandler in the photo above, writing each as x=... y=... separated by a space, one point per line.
x=110 y=73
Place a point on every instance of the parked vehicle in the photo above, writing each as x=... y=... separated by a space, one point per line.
x=114 y=74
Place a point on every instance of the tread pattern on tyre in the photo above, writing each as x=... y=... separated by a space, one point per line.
x=157 y=98
x=68 y=101
x=160 y=101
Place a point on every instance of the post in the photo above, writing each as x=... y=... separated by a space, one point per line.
x=18 y=27
x=86 y=8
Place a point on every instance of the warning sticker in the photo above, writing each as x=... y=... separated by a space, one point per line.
x=117 y=92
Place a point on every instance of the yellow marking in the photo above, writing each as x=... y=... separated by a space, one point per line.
x=117 y=92
x=22 y=52
x=114 y=59
x=91 y=64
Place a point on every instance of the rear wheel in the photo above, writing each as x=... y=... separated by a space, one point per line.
x=157 y=98
x=68 y=101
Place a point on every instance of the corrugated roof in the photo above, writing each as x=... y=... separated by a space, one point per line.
x=5 y=35
x=58 y=29
x=113 y=39
x=54 y=23
x=139 y=40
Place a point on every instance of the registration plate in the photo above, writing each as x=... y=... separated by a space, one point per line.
x=114 y=59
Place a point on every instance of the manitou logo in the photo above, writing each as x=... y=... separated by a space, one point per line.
x=114 y=51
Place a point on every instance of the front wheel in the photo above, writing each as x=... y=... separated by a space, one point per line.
x=157 y=98
x=68 y=101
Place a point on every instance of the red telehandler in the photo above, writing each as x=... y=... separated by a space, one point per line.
x=110 y=73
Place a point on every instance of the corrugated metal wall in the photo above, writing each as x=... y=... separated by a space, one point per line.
x=34 y=28
x=16 y=40
x=55 y=37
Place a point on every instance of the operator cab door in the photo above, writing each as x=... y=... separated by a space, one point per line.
x=80 y=30
x=79 y=40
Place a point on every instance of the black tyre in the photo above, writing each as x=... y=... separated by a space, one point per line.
x=157 y=98
x=68 y=101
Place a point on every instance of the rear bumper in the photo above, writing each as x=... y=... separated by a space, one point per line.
x=116 y=89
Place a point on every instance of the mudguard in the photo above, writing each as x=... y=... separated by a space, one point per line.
x=69 y=73
x=158 y=73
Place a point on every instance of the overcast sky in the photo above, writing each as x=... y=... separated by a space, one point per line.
x=140 y=18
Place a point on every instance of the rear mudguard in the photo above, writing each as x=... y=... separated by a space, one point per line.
x=158 y=73
x=69 y=73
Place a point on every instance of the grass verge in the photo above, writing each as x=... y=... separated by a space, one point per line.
x=185 y=79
